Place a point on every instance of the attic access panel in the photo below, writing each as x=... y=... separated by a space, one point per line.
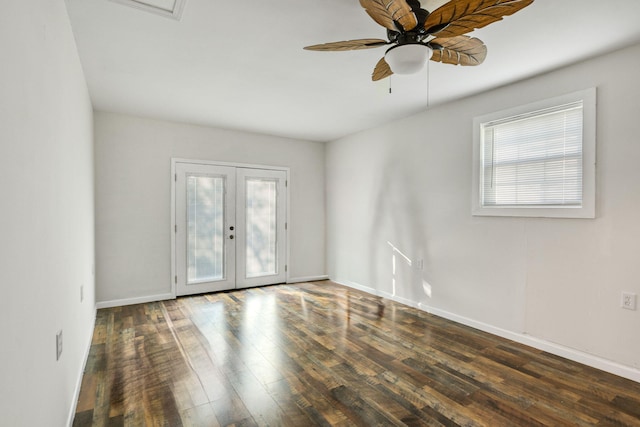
x=168 y=8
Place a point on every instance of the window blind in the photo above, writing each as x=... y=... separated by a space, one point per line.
x=534 y=159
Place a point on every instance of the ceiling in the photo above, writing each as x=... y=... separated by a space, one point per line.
x=240 y=64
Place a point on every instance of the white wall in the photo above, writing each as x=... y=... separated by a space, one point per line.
x=47 y=244
x=133 y=197
x=559 y=280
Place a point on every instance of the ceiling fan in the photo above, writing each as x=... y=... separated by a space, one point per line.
x=418 y=35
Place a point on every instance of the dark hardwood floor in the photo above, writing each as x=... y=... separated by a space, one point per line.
x=323 y=354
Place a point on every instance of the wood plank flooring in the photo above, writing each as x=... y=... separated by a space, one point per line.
x=326 y=355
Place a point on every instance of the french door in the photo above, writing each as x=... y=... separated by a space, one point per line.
x=230 y=227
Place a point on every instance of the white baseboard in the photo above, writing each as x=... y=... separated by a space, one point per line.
x=136 y=300
x=76 y=392
x=307 y=279
x=379 y=293
x=540 y=344
x=167 y=296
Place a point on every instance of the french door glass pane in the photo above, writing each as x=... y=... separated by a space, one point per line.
x=261 y=242
x=205 y=228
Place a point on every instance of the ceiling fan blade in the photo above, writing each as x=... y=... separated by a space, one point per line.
x=349 y=45
x=382 y=70
x=388 y=12
x=459 y=17
x=459 y=50
x=421 y=14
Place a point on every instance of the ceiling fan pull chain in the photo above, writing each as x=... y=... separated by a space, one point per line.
x=428 y=84
x=389 y=85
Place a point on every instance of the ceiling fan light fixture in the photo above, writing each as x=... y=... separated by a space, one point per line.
x=408 y=58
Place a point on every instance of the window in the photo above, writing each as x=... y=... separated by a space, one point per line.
x=537 y=160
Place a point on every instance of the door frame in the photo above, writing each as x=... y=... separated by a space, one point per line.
x=173 y=225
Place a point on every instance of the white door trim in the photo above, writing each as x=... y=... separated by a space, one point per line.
x=176 y=160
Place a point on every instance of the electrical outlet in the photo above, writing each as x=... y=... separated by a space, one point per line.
x=58 y=345
x=628 y=301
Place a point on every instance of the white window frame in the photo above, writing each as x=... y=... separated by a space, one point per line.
x=587 y=209
x=150 y=6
